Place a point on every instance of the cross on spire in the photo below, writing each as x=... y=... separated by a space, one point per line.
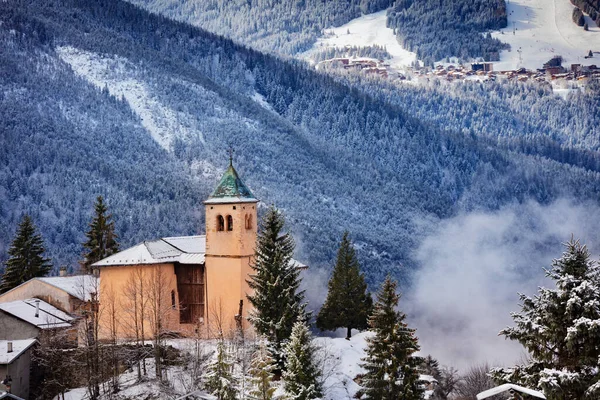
x=230 y=151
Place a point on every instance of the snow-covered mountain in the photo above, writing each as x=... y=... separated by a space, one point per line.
x=105 y=98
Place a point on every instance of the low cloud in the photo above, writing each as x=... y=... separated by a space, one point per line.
x=473 y=265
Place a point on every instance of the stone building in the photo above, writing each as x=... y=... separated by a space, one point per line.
x=189 y=284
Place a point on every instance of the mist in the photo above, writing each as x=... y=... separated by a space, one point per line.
x=473 y=265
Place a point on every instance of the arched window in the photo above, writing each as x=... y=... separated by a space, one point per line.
x=220 y=223
x=229 y=223
x=248 y=221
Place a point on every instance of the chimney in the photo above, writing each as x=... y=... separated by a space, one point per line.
x=37 y=308
x=62 y=271
x=9 y=347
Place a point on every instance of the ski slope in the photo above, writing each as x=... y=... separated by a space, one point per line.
x=367 y=30
x=544 y=29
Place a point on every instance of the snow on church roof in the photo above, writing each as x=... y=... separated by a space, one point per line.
x=182 y=249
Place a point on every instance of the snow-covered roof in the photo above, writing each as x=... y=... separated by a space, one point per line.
x=506 y=387
x=79 y=286
x=182 y=249
x=18 y=347
x=48 y=317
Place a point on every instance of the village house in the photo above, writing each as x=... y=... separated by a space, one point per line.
x=70 y=294
x=187 y=285
x=27 y=319
x=15 y=365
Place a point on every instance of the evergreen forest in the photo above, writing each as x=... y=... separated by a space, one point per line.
x=334 y=153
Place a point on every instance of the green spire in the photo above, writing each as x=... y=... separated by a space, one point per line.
x=231 y=188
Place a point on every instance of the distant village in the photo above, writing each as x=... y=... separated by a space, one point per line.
x=551 y=72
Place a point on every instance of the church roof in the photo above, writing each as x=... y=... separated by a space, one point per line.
x=182 y=249
x=231 y=189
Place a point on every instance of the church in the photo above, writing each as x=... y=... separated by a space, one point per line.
x=185 y=285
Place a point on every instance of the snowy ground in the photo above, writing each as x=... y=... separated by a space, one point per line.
x=367 y=30
x=543 y=29
x=340 y=365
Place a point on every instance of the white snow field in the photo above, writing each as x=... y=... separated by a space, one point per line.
x=544 y=29
x=340 y=361
x=367 y=30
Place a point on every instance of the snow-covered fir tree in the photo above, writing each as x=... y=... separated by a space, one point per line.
x=220 y=380
x=26 y=257
x=301 y=376
x=101 y=238
x=348 y=304
x=390 y=364
x=560 y=328
x=261 y=371
x=277 y=301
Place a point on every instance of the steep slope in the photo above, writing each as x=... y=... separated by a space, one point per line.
x=102 y=97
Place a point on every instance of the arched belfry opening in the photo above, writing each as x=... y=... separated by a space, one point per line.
x=229 y=223
x=248 y=221
x=220 y=223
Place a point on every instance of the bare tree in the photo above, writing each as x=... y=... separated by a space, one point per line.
x=474 y=381
x=159 y=311
x=135 y=308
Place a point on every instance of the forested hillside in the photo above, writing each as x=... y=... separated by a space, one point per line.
x=431 y=28
x=438 y=29
x=275 y=26
x=379 y=163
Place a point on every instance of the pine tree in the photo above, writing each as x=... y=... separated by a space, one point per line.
x=220 y=381
x=101 y=238
x=301 y=375
x=26 y=257
x=391 y=368
x=277 y=301
x=261 y=370
x=348 y=304
x=560 y=328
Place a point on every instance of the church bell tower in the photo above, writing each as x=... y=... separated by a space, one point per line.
x=231 y=228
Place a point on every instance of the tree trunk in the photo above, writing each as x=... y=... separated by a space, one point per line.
x=348 y=333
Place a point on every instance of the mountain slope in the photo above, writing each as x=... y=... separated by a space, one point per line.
x=102 y=97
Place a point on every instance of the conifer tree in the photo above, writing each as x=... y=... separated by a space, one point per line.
x=220 y=381
x=277 y=301
x=26 y=257
x=101 y=238
x=391 y=368
x=301 y=375
x=559 y=327
x=261 y=370
x=348 y=304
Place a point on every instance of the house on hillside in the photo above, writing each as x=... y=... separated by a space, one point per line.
x=15 y=365
x=27 y=319
x=70 y=294
x=185 y=285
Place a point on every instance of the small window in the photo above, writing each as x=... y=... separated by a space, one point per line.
x=173 y=303
x=248 y=221
x=229 y=223
x=220 y=223
x=234 y=208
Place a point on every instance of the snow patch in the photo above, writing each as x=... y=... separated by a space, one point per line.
x=117 y=75
x=260 y=99
x=544 y=29
x=367 y=30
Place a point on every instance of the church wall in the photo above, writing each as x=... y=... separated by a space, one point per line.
x=226 y=286
x=238 y=242
x=117 y=299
